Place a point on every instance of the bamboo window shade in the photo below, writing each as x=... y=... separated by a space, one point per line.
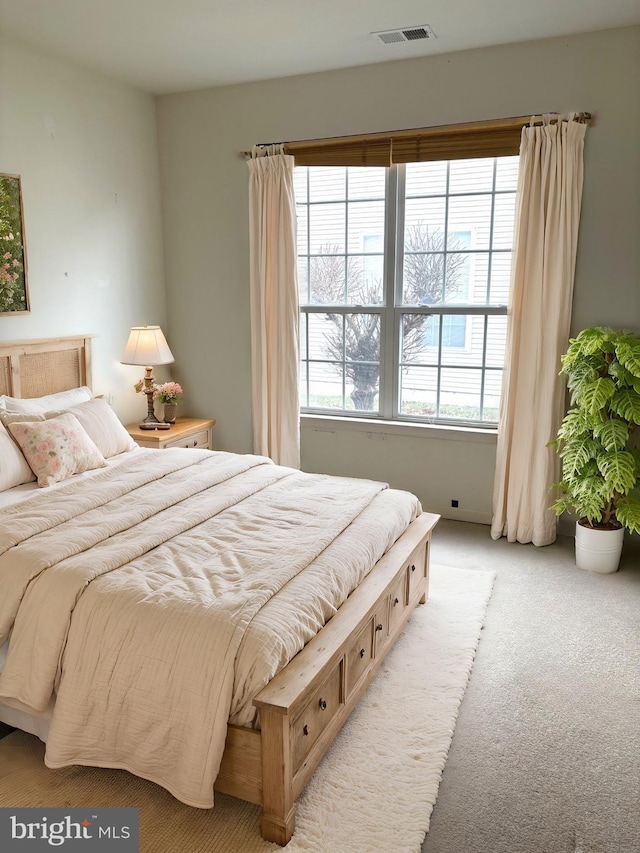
x=497 y=138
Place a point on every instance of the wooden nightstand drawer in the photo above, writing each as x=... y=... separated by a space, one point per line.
x=185 y=432
x=198 y=439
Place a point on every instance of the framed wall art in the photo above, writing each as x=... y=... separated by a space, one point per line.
x=14 y=293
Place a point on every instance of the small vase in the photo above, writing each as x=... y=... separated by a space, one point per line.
x=169 y=413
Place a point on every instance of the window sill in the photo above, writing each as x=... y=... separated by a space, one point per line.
x=445 y=432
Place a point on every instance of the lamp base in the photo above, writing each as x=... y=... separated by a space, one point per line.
x=150 y=425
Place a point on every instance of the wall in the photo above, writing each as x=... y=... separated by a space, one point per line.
x=86 y=149
x=204 y=185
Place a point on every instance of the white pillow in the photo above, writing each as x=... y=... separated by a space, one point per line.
x=61 y=400
x=14 y=468
x=102 y=426
x=56 y=448
x=13 y=417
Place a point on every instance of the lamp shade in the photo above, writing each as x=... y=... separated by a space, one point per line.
x=147 y=346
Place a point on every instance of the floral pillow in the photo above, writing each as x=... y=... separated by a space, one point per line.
x=56 y=448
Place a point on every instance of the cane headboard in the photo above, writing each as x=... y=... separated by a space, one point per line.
x=46 y=366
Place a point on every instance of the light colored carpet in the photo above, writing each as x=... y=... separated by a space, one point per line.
x=376 y=787
x=546 y=752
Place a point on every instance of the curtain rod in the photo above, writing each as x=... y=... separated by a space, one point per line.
x=491 y=124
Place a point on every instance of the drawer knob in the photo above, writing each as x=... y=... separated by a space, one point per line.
x=305 y=730
x=396 y=601
x=413 y=568
x=323 y=704
x=378 y=627
x=362 y=651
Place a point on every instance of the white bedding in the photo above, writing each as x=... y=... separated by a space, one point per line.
x=21 y=493
x=138 y=609
x=17 y=495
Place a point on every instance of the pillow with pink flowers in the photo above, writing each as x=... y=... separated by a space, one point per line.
x=56 y=448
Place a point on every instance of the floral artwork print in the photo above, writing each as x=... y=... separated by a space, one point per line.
x=13 y=276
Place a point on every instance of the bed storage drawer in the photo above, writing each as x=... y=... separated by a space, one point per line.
x=359 y=656
x=315 y=715
x=398 y=599
x=416 y=571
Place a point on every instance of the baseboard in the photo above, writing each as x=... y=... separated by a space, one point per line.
x=461 y=514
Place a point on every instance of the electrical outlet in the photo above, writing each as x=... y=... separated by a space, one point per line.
x=454 y=504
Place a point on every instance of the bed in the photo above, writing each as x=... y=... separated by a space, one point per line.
x=202 y=619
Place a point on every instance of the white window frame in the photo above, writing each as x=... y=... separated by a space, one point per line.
x=391 y=313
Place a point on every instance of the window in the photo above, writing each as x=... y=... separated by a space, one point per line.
x=404 y=278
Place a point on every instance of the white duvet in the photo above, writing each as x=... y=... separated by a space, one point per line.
x=156 y=598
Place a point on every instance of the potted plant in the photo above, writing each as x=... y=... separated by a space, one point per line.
x=598 y=444
x=169 y=395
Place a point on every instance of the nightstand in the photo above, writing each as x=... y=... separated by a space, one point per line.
x=185 y=432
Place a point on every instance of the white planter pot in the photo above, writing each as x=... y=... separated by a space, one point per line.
x=598 y=550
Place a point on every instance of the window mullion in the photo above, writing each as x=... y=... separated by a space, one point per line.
x=346 y=237
x=388 y=340
x=344 y=360
x=484 y=364
x=394 y=313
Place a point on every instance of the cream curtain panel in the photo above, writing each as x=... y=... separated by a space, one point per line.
x=533 y=395
x=274 y=305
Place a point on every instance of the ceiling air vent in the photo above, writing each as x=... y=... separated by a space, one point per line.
x=419 y=33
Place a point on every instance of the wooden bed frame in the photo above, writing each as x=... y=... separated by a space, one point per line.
x=303 y=708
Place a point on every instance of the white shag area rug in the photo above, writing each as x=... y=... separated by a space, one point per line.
x=376 y=788
x=372 y=793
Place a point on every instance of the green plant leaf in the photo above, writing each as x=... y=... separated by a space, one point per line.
x=560 y=506
x=576 y=455
x=628 y=513
x=635 y=452
x=591 y=496
x=585 y=500
x=619 y=471
x=626 y=403
x=628 y=354
x=582 y=371
x=574 y=425
x=613 y=434
x=591 y=469
x=594 y=396
x=594 y=340
x=620 y=373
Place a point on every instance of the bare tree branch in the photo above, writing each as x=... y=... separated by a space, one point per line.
x=430 y=275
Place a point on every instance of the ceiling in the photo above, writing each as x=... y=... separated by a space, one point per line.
x=166 y=46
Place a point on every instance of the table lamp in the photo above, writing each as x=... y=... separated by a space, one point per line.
x=147 y=346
